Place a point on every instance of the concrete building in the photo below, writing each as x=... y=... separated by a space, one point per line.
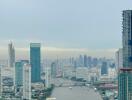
x=68 y=72
x=89 y=61
x=104 y=68
x=11 y=51
x=47 y=77
x=82 y=73
x=127 y=38
x=119 y=59
x=35 y=59
x=125 y=84
x=125 y=76
x=112 y=73
x=7 y=81
x=26 y=82
x=53 y=70
x=81 y=61
x=85 y=61
x=18 y=74
x=94 y=74
x=0 y=84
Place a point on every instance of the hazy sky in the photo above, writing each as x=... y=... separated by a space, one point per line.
x=89 y=24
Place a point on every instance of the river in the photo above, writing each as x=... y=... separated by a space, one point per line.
x=76 y=93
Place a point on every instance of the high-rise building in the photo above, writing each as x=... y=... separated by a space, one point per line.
x=119 y=59
x=47 y=77
x=35 y=58
x=89 y=61
x=85 y=61
x=26 y=82
x=125 y=73
x=127 y=38
x=81 y=61
x=11 y=51
x=125 y=84
x=53 y=69
x=18 y=73
x=95 y=62
x=104 y=68
x=72 y=60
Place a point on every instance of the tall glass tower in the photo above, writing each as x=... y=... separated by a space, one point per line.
x=18 y=73
x=35 y=58
x=125 y=84
x=127 y=38
x=125 y=73
x=104 y=68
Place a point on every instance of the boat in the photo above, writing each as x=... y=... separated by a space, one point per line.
x=51 y=99
x=70 y=87
x=95 y=89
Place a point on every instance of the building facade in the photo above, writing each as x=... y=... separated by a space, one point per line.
x=18 y=73
x=47 y=77
x=125 y=74
x=125 y=84
x=85 y=61
x=53 y=69
x=7 y=80
x=35 y=58
x=11 y=51
x=104 y=68
x=127 y=38
x=119 y=59
x=26 y=82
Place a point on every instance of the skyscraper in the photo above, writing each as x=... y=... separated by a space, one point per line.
x=35 y=58
x=81 y=61
x=18 y=73
x=95 y=62
x=26 y=82
x=119 y=59
x=11 y=51
x=125 y=73
x=89 y=61
x=53 y=69
x=127 y=38
x=125 y=84
x=47 y=77
x=85 y=61
x=104 y=68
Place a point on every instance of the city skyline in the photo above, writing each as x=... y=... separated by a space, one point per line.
x=51 y=49
x=55 y=53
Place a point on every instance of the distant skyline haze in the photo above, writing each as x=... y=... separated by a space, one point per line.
x=66 y=25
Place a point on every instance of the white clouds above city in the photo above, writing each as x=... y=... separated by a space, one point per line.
x=54 y=52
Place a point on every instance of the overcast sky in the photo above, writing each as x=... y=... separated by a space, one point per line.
x=89 y=24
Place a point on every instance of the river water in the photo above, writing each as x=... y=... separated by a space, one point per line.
x=76 y=93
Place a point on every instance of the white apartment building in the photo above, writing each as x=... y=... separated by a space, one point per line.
x=119 y=58
x=27 y=82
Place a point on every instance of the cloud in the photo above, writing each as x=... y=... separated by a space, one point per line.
x=54 y=52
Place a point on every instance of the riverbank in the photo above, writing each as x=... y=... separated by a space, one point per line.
x=43 y=94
